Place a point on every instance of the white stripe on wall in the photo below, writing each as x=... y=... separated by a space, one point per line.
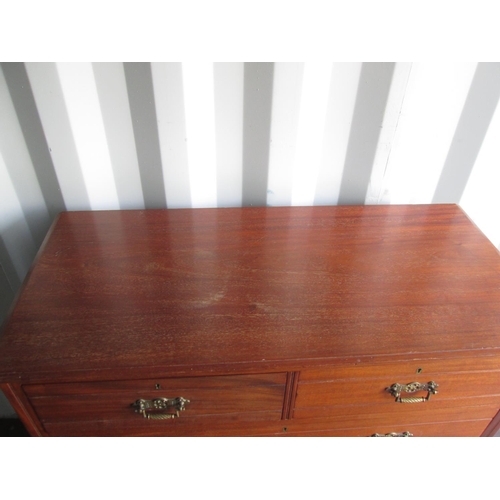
x=228 y=87
x=287 y=88
x=200 y=128
x=434 y=100
x=480 y=198
x=311 y=132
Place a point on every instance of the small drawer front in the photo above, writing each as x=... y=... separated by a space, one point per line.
x=207 y=399
x=325 y=391
x=383 y=418
x=209 y=426
x=463 y=428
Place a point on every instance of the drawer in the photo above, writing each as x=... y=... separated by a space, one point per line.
x=463 y=428
x=376 y=418
x=217 y=400
x=329 y=391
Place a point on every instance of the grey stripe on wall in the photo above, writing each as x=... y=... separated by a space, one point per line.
x=475 y=119
x=228 y=95
x=34 y=136
x=257 y=107
x=373 y=90
x=143 y=110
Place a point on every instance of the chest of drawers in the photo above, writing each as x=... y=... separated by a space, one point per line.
x=298 y=321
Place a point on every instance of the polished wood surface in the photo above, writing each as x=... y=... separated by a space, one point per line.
x=133 y=290
x=272 y=321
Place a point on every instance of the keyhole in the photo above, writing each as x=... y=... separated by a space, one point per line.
x=419 y=370
x=157 y=386
x=285 y=429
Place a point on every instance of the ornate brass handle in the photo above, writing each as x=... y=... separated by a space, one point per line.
x=397 y=389
x=152 y=408
x=393 y=435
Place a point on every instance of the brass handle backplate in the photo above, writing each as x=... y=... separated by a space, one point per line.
x=393 y=435
x=154 y=408
x=397 y=389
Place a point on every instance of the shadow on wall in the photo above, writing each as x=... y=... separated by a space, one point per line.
x=9 y=282
x=479 y=107
x=18 y=249
x=26 y=248
x=6 y=411
x=7 y=293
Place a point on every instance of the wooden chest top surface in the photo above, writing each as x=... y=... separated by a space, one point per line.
x=117 y=292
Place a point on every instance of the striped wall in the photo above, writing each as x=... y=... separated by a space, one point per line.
x=107 y=136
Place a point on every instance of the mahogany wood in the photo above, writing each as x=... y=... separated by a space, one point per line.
x=333 y=301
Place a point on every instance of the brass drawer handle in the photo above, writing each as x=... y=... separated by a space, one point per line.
x=397 y=389
x=152 y=408
x=393 y=435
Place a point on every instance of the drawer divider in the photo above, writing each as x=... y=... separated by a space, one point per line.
x=292 y=381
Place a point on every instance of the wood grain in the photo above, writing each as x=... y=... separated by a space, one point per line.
x=121 y=291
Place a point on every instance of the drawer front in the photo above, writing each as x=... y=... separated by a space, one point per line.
x=229 y=425
x=327 y=391
x=463 y=428
x=376 y=418
x=212 y=400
